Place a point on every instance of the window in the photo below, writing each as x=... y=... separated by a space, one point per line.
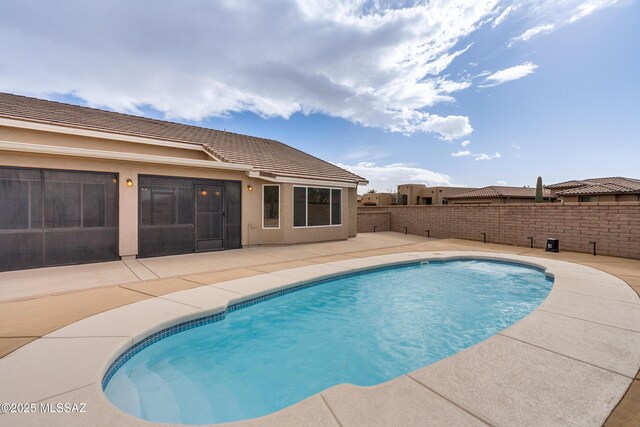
x=20 y=194
x=588 y=199
x=166 y=201
x=314 y=206
x=271 y=206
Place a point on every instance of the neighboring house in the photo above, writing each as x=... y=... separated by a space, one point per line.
x=420 y=194
x=83 y=185
x=377 y=199
x=615 y=189
x=498 y=195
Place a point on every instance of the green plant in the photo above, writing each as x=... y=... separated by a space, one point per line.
x=539 y=197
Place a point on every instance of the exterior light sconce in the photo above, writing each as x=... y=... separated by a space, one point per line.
x=250 y=187
x=129 y=182
x=203 y=193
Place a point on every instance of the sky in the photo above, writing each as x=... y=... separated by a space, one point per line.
x=464 y=93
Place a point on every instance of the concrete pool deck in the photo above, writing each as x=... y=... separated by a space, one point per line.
x=582 y=345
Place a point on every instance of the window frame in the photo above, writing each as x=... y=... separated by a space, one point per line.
x=306 y=188
x=279 y=203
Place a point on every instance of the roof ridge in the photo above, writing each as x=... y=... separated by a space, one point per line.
x=148 y=119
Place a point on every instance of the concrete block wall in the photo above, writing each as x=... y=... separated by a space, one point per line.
x=615 y=227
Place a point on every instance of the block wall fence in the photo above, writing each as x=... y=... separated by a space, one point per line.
x=615 y=227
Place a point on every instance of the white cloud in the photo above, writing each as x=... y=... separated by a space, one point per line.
x=509 y=74
x=502 y=16
x=461 y=153
x=501 y=182
x=465 y=143
x=532 y=32
x=378 y=64
x=486 y=156
x=588 y=7
x=476 y=156
x=387 y=177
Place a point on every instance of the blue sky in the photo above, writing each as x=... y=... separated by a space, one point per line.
x=466 y=93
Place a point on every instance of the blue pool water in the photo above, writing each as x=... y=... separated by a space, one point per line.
x=362 y=329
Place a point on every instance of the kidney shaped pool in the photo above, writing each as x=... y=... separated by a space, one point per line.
x=364 y=328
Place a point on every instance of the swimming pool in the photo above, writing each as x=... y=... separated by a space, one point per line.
x=362 y=329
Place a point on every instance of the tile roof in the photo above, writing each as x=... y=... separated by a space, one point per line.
x=270 y=157
x=500 y=192
x=615 y=185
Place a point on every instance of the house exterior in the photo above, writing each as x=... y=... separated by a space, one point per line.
x=420 y=194
x=616 y=189
x=377 y=199
x=83 y=185
x=494 y=194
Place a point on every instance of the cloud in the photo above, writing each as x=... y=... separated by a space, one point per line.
x=532 y=32
x=476 y=156
x=587 y=8
x=465 y=143
x=501 y=182
x=387 y=177
x=449 y=127
x=502 y=16
x=509 y=74
x=378 y=64
x=486 y=156
x=461 y=153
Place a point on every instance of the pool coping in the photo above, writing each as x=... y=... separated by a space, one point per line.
x=583 y=302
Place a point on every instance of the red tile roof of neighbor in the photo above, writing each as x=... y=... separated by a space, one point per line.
x=594 y=186
x=265 y=155
x=494 y=191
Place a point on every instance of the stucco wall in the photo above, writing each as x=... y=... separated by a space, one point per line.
x=252 y=231
x=615 y=227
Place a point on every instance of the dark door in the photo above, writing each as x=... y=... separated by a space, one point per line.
x=50 y=218
x=209 y=217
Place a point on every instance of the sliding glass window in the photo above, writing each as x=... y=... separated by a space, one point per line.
x=316 y=206
x=271 y=206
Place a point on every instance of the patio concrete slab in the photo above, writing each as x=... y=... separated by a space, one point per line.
x=256 y=286
x=132 y=321
x=624 y=268
x=270 y=268
x=330 y=258
x=614 y=289
x=310 y=412
x=48 y=281
x=40 y=316
x=206 y=298
x=178 y=265
x=400 y=402
x=600 y=310
x=632 y=281
x=161 y=286
x=628 y=411
x=508 y=382
x=607 y=347
x=7 y=345
x=221 y=276
x=76 y=361
x=316 y=271
x=137 y=268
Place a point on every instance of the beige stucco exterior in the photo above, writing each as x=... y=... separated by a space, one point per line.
x=377 y=199
x=253 y=232
x=419 y=194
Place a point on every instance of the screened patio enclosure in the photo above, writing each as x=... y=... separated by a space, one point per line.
x=184 y=215
x=52 y=217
